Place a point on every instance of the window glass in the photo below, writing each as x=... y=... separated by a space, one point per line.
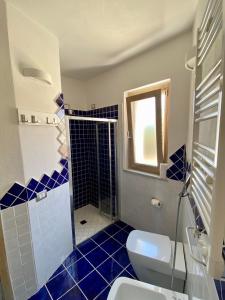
x=147 y=127
x=144 y=131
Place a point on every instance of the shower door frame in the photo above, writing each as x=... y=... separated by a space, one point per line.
x=97 y=120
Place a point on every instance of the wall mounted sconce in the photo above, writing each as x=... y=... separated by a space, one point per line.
x=190 y=59
x=37 y=74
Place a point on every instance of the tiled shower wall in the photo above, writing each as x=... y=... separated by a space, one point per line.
x=105 y=167
x=84 y=157
x=84 y=163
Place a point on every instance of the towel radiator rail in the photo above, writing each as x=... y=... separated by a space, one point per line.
x=208 y=162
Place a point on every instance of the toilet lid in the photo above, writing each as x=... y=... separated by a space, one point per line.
x=153 y=246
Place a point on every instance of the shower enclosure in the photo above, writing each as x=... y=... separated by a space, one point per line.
x=93 y=169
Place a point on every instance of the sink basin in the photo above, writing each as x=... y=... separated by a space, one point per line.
x=129 y=289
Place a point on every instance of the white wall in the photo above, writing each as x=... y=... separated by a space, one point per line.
x=163 y=62
x=74 y=92
x=32 y=45
x=11 y=168
x=41 y=143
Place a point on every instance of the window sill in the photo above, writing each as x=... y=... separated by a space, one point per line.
x=145 y=174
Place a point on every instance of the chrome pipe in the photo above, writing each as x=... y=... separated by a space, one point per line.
x=182 y=195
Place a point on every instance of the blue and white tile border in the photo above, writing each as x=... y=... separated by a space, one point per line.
x=179 y=167
x=18 y=193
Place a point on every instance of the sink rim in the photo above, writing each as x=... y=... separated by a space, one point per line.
x=169 y=294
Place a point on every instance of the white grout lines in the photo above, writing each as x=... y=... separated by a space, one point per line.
x=94 y=268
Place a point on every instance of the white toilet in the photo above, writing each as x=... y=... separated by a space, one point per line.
x=151 y=256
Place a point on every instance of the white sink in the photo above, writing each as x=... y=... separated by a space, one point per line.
x=129 y=289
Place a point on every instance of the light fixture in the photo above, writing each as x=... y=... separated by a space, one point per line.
x=37 y=74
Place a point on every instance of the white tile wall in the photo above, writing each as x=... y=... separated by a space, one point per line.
x=51 y=231
x=18 y=245
x=199 y=284
x=136 y=209
x=37 y=238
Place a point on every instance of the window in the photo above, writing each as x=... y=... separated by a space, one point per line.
x=147 y=127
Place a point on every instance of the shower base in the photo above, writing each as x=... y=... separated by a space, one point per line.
x=94 y=222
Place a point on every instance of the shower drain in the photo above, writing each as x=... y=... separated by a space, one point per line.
x=83 y=222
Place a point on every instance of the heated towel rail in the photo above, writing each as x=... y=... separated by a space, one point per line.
x=208 y=148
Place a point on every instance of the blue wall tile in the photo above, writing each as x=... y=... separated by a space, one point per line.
x=179 y=168
x=84 y=158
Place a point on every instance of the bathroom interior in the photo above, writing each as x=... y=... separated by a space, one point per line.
x=112 y=150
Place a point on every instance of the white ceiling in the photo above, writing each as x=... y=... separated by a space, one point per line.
x=95 y=35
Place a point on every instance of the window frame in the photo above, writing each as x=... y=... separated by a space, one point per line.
x=161 y=153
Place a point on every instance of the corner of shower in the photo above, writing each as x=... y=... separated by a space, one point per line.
x=92 y=144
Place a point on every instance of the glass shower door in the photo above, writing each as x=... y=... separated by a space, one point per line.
x=106 y=168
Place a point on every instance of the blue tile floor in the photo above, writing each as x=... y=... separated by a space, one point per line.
x=89 y=272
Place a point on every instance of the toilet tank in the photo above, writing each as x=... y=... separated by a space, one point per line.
x=151 y=256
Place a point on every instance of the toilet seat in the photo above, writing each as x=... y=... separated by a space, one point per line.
x=155 y=252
